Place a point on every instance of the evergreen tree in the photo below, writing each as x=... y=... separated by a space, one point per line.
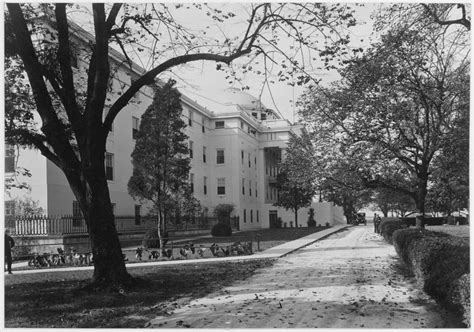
x=295 y=181
x=161 y=157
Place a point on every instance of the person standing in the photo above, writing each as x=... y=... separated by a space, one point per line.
x=375 y=222
x=9 y=244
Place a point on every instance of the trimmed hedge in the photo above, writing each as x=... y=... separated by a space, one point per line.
x=438 y=262
x=221 y=229
x=461 y=297
x=402 y=238
x=151 y=240
x=387 y=227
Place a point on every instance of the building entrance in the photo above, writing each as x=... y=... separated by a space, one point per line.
x=273 y=217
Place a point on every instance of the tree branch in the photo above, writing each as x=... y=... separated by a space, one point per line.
x=112 y=17
x=64 y=54
x=149 y=78
x=463 y=20
x=37 y=140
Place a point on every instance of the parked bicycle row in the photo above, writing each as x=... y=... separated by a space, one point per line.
x=186 y=251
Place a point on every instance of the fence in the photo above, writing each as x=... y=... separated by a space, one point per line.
x=42 y=225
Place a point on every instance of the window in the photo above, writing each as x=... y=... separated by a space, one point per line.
x=258 y=216
x=9 y=158
x=203 y=125
x=245 y=215
x=205 y=185
x=138 y=214
x=221 y=186
x=243 y=186
x=255 y=162
x=135 y=126
x=249 y=160
x=220 y=156
x=242 y=125
x=219 y=124
x=250 y=188
x=203 y=154
x=242 y=154
x=256 y=190
x=191 y=180
x=191 y=147
x=109 y=166
x=190 y=119
x=9 y=208
x=251 y=215
x=76 y=214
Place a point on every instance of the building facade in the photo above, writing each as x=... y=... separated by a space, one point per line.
x=236 y=144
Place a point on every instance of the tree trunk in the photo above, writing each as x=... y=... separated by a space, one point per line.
x=109 y=265
x=89 y=185
x=296 y=218
x=160 y=235
x=420 y=203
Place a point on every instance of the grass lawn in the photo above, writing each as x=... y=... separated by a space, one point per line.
x=460 y=230
x=55 y=299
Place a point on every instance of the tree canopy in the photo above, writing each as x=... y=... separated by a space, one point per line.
x=160 y=159
x=295 y=180
x=396 y=106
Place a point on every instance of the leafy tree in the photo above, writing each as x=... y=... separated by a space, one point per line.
x=389 y=200
x=423 y=14
x=161 y=160
x=295 y=180
x=60 y=111
x=395 y=107
x=449 y=185
x=339 y=184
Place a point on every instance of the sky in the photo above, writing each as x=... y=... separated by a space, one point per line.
x=203 y=80
x=200 y=81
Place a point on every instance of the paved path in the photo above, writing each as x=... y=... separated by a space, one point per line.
x=348 y=280
x=275 y=252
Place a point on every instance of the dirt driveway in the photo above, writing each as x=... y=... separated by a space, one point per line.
x=349 y=280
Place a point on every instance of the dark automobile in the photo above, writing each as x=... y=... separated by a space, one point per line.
x=359 y=218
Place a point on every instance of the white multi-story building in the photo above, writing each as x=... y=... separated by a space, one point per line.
x=236 y=145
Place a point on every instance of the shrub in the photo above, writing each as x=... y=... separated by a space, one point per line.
x=460 y=297
x=438 y=262
x=311 y=221
x=387 y=227
x=222 y=212
x=402 y=238
x=221 y=229
x=151 y=240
